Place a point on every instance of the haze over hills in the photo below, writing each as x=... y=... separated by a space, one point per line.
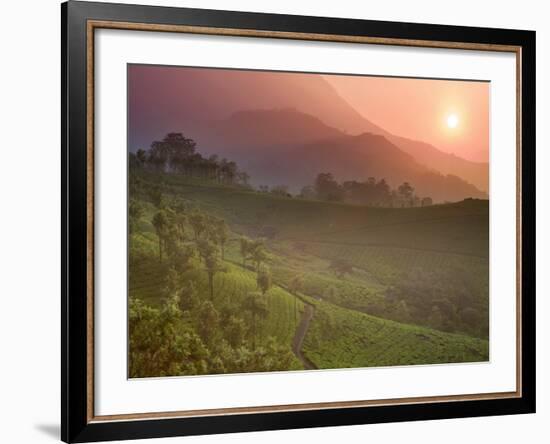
x=190 y=96
x=235 y=115
x=290 y=147
x=476 y=173
x=246 y=131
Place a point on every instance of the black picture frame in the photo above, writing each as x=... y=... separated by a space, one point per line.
x=76 y=425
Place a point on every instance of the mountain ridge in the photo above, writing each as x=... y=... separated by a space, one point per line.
x=262 y=142
x=193 y=98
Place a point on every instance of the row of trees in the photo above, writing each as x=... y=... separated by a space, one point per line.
x=178 y=154
x=370 y=192
x=184 y=234
x=444 y=300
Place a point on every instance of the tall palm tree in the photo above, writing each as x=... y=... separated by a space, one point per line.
x=197 y=221
x=213 y=266
x=258 y=253
x=220 y=234
x=264 y=281
x=212 y=263
x=244 y=244
x=255 y=304
x=160 y=222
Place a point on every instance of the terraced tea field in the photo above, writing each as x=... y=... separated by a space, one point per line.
x=339 y=338
x=424 y=267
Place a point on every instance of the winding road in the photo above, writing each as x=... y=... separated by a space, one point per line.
x=300 y=334
x=301 y=330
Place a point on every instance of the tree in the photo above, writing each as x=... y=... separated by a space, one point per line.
x=155 y=194
x=141 y=156
x=160 y=222
x=212 y=167
x=356 y=192
x=173 y=151
x=212 y=262
x=221 y=234
x=341 y=267
x=257 y=253
x=208 y=321
x=230 y=172
x=135 y=212
x=172 y=285
x=445 y=298
x=178 y=221
x=383 y=192
x=405 y=190
x=176 y=153
x=197 y=221
x=235 y=331
x=244 y=244
x=243 y=178
x=160 y=344
x=213 y=265
x=205 y=248
x=222 y=170
x=264 y=279
x=188 y=295
x=327 y=188
x=255 y=304
x=180 y=253
x=307 y=192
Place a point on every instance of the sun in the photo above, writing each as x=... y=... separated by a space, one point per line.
x=452 y=121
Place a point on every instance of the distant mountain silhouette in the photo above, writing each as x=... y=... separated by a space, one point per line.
x=193 y=97
x=206 y=103
x=290 y=147
x=476 y=173
x=248 y=129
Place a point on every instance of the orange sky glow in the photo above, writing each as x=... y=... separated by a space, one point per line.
x=449 y=114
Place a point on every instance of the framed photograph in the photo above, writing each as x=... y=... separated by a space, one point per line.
x=275 y=221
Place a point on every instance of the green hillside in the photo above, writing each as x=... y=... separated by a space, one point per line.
x=339 y=337
x=147 y=282
x=390 y=286
x=451 y=228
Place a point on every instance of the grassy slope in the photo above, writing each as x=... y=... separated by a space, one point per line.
x=147 y=282
x=382 y=243
x=339 y=337
x=379 y=241
x=454 y=228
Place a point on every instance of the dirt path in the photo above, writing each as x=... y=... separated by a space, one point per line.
x=301 y=330
x=300 y=334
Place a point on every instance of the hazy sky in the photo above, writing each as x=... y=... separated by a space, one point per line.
x=452 y=115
